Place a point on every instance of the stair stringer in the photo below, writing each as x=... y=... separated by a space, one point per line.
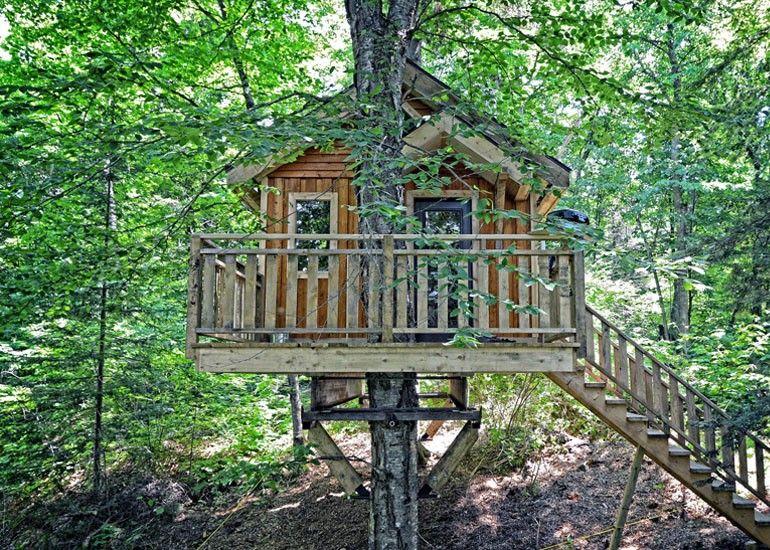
x=696 y=477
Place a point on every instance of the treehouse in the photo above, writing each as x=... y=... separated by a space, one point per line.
x=312 y=296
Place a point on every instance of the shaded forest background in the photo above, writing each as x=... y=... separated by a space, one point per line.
x=118 y=120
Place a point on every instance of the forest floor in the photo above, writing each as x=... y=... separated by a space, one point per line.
x=567 y=499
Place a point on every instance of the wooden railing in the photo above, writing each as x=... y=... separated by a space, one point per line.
x=402 y=288
x=675 y=407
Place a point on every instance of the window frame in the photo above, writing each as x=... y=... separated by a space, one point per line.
x=327 y=196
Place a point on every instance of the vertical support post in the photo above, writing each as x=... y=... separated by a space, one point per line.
x=578 y=284
x=628 y=495
x=193 y=296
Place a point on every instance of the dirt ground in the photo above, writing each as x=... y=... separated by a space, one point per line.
x=566 y=500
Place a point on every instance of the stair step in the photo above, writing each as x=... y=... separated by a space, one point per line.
x=719 y=485
x=763 y=520
x=676 y=450
x=656 y=434
x=743 y=503
x=698 y=468
x=595 y=385
x=616 y=401
x=633 y=417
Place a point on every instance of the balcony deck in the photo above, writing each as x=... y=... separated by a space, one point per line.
x=510 y=303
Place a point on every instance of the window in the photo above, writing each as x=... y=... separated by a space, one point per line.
x=312 y=213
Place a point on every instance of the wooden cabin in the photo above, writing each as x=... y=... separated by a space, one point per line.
x=304 y=296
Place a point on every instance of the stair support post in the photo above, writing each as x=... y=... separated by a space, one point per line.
x=628 y=494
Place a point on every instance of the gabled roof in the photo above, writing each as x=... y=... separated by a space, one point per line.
x=488 y=146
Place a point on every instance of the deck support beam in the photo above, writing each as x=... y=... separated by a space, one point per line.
x=319 y=358
x=338 y=463
x=447 y=464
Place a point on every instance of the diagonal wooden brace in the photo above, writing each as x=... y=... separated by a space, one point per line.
x=447 y=464
x=338 y=464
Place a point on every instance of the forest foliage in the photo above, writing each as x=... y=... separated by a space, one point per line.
x=118 y=119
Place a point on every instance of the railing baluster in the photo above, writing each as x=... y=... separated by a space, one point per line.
x=442 y=300
x=621 y=363
x=677 y=410
x=402 y=292
x=693 y=421
x=503 y=295
x=219 y=321
x=292 y=274
x=743 y=460
x=482 y=280
x=709 y=433
x=638 y=378
x=352 y=293
x=208 y=302
x=462 y=297
x=590 y=336
x=311 y=294
x=564 y=293
x=238 y=300
x=660 y=399
x=250 y=292
x=759 y=462
x=333 y=293
x=423 y=285
x=728 y=451
x=374 y=299
x=605 y=357
x=523 y=291
x=271 y=296
x=649 y=392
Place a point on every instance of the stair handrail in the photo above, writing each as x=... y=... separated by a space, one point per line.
x=724 y=468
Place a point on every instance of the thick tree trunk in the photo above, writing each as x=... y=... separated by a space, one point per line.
x=393 y=511
x=381 y=39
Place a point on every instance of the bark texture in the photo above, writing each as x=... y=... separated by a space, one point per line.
x=393 y=512
x=381 y=35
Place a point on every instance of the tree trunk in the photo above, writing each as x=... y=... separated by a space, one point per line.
x=680 y=303
x=381 y=36
x=296 y=411
x=393 y=511
x=109 y=227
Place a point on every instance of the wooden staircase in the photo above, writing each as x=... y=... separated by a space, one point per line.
x=678 y=427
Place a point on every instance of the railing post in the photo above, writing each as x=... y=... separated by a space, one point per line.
x=193 y=296
x=387 y=288
x=579 y=303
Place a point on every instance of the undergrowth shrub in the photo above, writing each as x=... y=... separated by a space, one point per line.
x=526 y=413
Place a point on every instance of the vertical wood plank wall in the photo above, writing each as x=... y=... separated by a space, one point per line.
x=325 y=172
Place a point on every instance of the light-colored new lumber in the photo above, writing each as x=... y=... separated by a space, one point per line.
x=419 y=358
